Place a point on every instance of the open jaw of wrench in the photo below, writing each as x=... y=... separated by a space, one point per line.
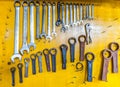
x=39 y=56
x=25 y=28
x=20 y=66
x=72 y=42
x=32 y=39
x=107 y=55
x=16 y=32
x=71 y=15
x=58 y=22
x=75 y=17
x=26 y=61
x=82 y=40
x=47 y=59
x=12 y=70
x=53 y=53
x=67 y=16
x=114 y=51
x=64 y=48
x=33 y=58
x=88 y=33
x=90 y=58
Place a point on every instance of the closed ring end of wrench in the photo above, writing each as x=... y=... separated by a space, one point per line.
x=17 y=4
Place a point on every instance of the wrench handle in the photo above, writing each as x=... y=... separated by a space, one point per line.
x=81 y=11
x=40 y=63
x=115 y=61
x=58 y=10
x=43 y=18
x=64 y=58
x=71 y=16
x=72 y=52
x=82 y=49
x=13 y=78
x=20 y=75
x=90 y=63
x=33 y=66
x=26 y=71
x=47 y=62
x=53 y=63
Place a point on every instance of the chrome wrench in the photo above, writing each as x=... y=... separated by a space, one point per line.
x=81 y=13
x=92 y=11
x=26 y=61
x=67 y=24
x=75 y=22
x=71 y=16
x=77 y=13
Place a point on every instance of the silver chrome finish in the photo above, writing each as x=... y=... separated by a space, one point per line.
x=67 y=24
x=75 y=22
x=71 y=16
x=81 y=13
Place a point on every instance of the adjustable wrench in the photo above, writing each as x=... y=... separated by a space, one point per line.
x=32 y=41
x=26 y=61
x=77 y=13
x=39 y=55
x=16 y=32
x=53 y=53
x=20 y=66
x=64 y=48
x=82 y=40
x=12 y=70
x=33 y=58
x=81 y=13
x=71 y=16
x=25 y=28
x=46 y=54
x=114 y=56
x=72 y=42
x=75 y=22
x=67 y=24
x=89 y=65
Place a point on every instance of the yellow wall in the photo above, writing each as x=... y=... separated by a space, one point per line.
x=106 y=29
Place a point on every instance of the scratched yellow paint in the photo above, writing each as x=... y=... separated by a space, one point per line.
x=106 y=29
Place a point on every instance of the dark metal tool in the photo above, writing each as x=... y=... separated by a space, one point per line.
x=53 y=53
x=47 y=59
x=33 y=58
x=26 y=61
x=72 y=42
x=114 y=56
x=82 y=40
x=79 y=66
x=13 y=69
x=64 y=48
x=89 y=65
x=20 y=66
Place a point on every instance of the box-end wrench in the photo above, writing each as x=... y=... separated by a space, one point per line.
x=88 y=29
x=20 y=66
x=72 y=42
x=53 y=53
x=53 y=20
x=39 y=55
x=107 y=56
x=33 y=58
x=47 y=59
x=67 y=16
x=32 y=39
x=26 y=61
x=82 y=40
x=12 y=70
x=90 y=58
x=25 y=28
x=92 y=11
x=114 y=56
x=49 y=22
x=81 y=13
x=77 y=13
x=75 y=17
x=64 y=48
x=71 y=15
x=16 y=32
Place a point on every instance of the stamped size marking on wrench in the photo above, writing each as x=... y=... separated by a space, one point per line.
x=82 y=40
x=12 y=70
x=25 y=28
x=75 y=21
x=33 y=58
x=20 y=66
x=71 y=15
x=114 y=56
x=26 y=61
x=90 y=58
x=67 y=16
x=16 y=32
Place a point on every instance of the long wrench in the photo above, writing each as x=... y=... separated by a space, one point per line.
x=67 y=23
x=81 y=13
x=75 y=22
x=77 y=13
x=26 y=61
x=71 y=16
x=16 y=32
x=25 y=28
x=12 y=70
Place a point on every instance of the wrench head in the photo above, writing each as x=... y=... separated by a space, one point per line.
x=32 y=45
x=63 y=29
x=54 y=34
x=58 y=22
x=43 y=35
x=49 y=37
x=24 y=48
x=71 y=25
x=17 y=55
x=67 y=27
x=74 y=24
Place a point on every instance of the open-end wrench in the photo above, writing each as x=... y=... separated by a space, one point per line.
x=58 y=22
x=92 y=11
x=77 y=13
x=39 y=55
x=53 y=20
x=16 y=32
x=33 y=58
x=49 y=21
x=72 y=42
x=46 y=54
x=106 y=60
x=90 y=58
x=53 y=53
x=88 y=28
x=32 y=41
x=114 y=56
x=67 y=23
x=20 y=66
x=12 y=70
x=25 y=28
x=37 y=19
x=81 y=13
x=75 y=17
x=26 y=61
x=82 y=40
x=71 y=15
x=43 y=34
x=64 y=48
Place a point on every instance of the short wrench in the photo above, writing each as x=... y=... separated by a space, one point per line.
x=25 y=28
x=12 y=70
x=47 y=59
x=89 y=65
x=71 y=15
x=75 y=21
x=39 y=55
x=26 y=61
x=72 y=42
x=67 y=23
x=16 y=32
x=33 y=58
x=81 y=13
x=53 y=53
x=82 y=40
x=32 y=41
x=64 y=48
x=77 y=13
x=20 y=66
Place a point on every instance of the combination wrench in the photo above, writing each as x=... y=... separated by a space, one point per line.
x=26 y=61
x=67 y=23
x=16 y=32
x=33 y=58
x=75 y=21
x=32 y=41
x=12 y=70
x=71 y=16
x=20 y=66
x=25 y=28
